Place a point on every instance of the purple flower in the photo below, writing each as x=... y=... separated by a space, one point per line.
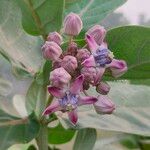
x=98 y=32
x=68 y=101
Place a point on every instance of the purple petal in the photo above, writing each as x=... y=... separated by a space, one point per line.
x=53 y=107
x=56 y=92
x=89 y=62
x=73 y=117
x=99 y=75
x=87 y=100
x=77 y=85
x=91 y=43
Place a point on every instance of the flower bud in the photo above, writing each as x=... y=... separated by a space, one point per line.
x=118 y=67
x=51 y=50
x=98 y=33
x=57 y=63
x=72 y=24
x=72 y=49
x=83 y=54
x=55 y=37
x=104 y=105
x=103 y=88
x=69 y=63
x=59 y=77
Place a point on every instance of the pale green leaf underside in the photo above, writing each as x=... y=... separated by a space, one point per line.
x=131 y=115
x=92 y=11
x=21 y=49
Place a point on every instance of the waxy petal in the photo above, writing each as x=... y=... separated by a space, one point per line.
x=99 y=75
x=89 y=62
x=77 y=85
x=91 y=43
x=56 y=92
x=73 y=116
x=53 y=107
x=87 y=100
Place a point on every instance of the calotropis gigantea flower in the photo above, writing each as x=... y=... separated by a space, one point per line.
x=55 y=37
x=59 y=77
x=103 y=88
x=102 y=57
x=104 y=105
x=69 y=100
x=72 y=24
x=98 y=33
x=51 y=50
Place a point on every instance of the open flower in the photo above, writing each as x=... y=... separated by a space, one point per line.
x=69 y=100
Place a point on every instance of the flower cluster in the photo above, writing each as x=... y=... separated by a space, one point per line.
x=76 y=69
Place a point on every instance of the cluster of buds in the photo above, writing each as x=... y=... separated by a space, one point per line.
x=75 y=69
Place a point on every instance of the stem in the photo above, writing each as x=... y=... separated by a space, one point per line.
x=42 y=139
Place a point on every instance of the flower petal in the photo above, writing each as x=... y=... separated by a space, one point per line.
x=56 y=92
x=89 y=62
x=87 y=100
x=99 y=75
x=91 y=43
x=53 y=107
x=77 y=85
x=73 y=116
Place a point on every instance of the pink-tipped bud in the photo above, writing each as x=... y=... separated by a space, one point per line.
x=83 y=54
x=59 y=77
x=103 y=88
x=51 y=50
x=55 y=37
x=69 y=63
x=57 y=63
x=98 y=33
x=72 y=24
x=90 y=74
x=104 y=105
x=118 y=67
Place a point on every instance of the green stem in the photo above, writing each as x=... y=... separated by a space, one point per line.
x=42 y=139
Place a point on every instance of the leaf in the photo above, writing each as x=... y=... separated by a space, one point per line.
x=59 y=135
x=132 y=43
x=36 y=98
x=41 y=16
x=5 y=87
x=16 y=130
x=93 y=11
x=85 y=139
x=131 y=115
x=21 y=49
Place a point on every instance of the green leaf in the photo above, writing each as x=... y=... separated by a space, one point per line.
x=21 y=49
x=59 y=135
x=132 y=43
x=85 y=139
x=131 y=114
x=41 y=16
x=16 y=130
x=36 y=98
x=92 y=12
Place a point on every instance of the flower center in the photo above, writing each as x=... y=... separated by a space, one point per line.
x=69 y=101
x=102 y=57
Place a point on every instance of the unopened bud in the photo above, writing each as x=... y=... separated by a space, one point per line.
x=98 y=33
x=72 y=49
x=72 y=24
x=103 y=88
x=83 y=54
x=55 y=37
x=69 y=63
x=59 y=77
x=104 y=105
x=51 y=50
